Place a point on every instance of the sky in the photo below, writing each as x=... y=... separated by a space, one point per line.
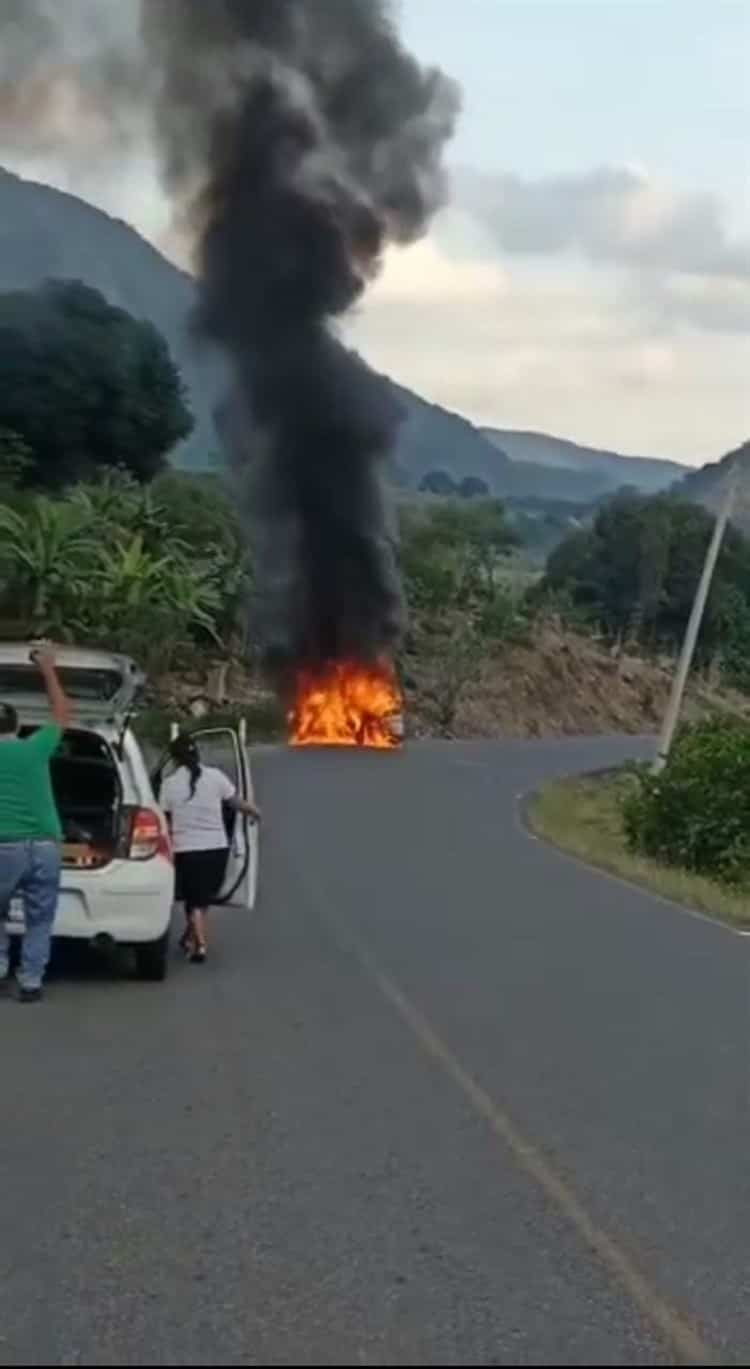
x=594 y=280
x=590 y=276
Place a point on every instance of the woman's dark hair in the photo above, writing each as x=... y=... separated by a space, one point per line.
x=184 y=751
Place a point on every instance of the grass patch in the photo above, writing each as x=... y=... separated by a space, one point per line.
x=582 y=816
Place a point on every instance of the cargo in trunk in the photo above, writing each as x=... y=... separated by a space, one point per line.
x=87 y=791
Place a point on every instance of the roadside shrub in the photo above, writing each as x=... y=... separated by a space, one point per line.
x=735 y=640
x=696 y=814
x=502 y=618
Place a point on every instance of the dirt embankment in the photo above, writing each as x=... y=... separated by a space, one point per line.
x=563 y=684
x=559 y=684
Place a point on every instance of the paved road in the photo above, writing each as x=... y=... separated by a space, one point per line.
x=448 y=1098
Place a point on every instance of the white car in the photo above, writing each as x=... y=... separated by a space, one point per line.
x=117 y=882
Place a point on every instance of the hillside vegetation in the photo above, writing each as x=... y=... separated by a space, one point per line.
x=102 y=542
x=45 y=234
x=162 y=568
x=163 y=571
x=556 y=609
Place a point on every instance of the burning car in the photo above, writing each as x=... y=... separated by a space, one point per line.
x=347 y=703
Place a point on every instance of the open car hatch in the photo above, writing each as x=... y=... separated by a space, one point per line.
x=102 y=685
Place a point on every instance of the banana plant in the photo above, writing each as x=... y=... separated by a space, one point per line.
x=130 y=576
x=116 y=501
x=45 y=555
x=195 y=595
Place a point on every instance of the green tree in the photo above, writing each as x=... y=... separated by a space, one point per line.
x=103 y=565
x=635 y=572
x=471 y=487
x=16 y=459
x=734 y=636
x=202 y=511
x=157 y=605
x=437 y=482
x=696 y=813
x=45 y=554
x=452 y=551
x=194 y=518
x=85 y=385
x=459 y=609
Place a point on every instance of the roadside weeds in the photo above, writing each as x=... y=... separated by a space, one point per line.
x=581 y=816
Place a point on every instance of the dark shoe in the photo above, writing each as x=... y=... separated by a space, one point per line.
x=5 y=986
x=29 y=995
x=198 y=956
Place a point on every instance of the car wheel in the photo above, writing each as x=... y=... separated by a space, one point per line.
x=152 y=959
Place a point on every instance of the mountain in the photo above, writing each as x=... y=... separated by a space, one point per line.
x=45 y=233
x=707 y=484
x=432 y=438
x=436 y=440
x=604 y=469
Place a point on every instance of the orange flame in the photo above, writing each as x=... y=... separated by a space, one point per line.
x=346 y=704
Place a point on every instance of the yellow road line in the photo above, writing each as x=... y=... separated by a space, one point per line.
x=671 y=1326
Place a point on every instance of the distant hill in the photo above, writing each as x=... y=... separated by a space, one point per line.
x=45 y=233
x=705 y=482
x=432 y=438
x=706 y=485
x=605 y=470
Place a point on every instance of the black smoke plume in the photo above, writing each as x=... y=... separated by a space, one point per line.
x=71 y=83
x=300 y=138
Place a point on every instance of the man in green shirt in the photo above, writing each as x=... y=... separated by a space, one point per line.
x=30 y=831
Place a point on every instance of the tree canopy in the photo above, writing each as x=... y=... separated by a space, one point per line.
x=453 y=555
x=118 y=561
x=84 y=386
x=450 y=552
x=441 y=483
x=635 y=571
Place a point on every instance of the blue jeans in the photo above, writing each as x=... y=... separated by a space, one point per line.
x=29 y=870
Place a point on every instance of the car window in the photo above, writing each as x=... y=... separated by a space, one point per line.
x=77 y=744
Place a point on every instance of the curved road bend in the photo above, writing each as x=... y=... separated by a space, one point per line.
x=448 y=1098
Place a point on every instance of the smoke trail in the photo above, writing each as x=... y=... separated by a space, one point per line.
x=71 y=80
x=299 y=138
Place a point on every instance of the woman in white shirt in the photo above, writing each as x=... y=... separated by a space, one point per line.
x=193 y=797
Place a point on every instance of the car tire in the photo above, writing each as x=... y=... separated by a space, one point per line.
x=152 y=959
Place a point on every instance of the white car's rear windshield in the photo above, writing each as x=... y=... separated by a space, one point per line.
x=86 y=685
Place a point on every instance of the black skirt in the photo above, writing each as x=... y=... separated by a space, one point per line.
x=199 y=876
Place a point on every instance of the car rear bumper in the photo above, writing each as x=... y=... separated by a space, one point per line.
x=129 y=901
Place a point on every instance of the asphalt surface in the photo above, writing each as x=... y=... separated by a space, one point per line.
x=447 y=1097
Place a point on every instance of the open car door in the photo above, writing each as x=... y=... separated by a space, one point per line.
x=224 y=748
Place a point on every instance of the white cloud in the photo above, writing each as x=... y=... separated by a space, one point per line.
x=715 y=304
x=558 y=347
x=622 y=342
x=612 y=215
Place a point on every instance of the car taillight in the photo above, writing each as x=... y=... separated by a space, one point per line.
x=147 y=836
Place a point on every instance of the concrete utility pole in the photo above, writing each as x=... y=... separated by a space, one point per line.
x=672 y=715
